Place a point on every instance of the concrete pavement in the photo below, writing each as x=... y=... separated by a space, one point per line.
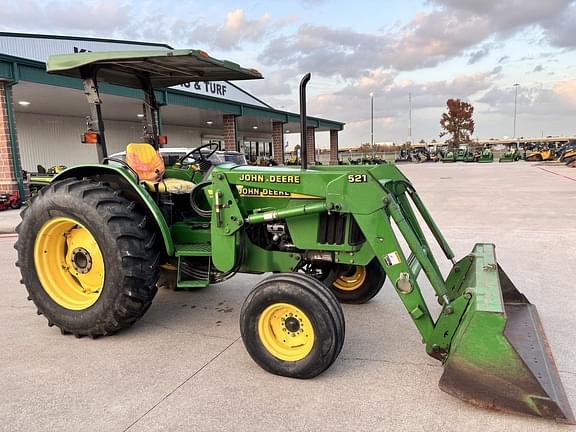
x=8 y=220
x=183 y=366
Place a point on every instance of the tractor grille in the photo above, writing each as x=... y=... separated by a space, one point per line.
x=356 y=236
x=332 y=230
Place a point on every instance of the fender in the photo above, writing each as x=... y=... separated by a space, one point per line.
x=121 y=179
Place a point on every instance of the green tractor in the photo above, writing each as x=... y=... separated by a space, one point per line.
x=465 y=154
x=462 y=154
x=449 y=156
x=92 y=245
x=42 y=177
x=487 y=156
x=512 y=155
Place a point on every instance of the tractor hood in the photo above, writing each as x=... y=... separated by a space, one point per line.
x=165 y=68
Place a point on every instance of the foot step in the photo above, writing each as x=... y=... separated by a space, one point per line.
x=196 y=249
x=192 y=250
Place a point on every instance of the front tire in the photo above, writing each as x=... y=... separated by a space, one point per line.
x=292 y=325
x=88 y=258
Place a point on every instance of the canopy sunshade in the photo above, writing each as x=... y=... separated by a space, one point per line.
x=164 y=68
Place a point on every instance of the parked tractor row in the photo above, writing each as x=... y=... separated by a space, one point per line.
x=466 y=153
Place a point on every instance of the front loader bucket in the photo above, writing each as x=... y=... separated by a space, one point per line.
x=499 y=357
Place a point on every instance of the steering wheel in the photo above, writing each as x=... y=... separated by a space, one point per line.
x=124 y=164
x=201 y=158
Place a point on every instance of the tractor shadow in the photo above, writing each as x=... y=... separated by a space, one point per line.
x=213 y=311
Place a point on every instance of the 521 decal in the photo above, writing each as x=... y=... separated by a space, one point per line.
x=357 y=178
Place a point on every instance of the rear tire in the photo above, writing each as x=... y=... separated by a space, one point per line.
x=108 y=280
x=359 y=284
x=292 y=325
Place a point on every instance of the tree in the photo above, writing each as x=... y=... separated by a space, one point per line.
x=457 y=122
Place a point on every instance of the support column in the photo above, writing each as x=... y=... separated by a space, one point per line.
x=333 y=147
x=278 y=142
x=311 y=145
x=10 y=167
x=230 y=137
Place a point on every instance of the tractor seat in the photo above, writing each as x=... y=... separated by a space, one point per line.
x=147 y=162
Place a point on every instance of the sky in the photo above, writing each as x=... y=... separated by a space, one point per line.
x=433 y=50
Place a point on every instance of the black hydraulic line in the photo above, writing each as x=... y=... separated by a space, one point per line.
x=201 y=212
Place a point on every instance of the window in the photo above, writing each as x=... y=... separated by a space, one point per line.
x=257 y=150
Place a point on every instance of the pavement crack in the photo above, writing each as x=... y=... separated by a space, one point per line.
x=567 y=372
x=170 y=393
x=402 y=363
x=27 y=306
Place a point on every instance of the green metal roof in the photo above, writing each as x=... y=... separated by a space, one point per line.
x=81 y=38
x=165 y=68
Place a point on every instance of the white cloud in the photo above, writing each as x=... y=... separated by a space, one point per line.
x=236 y=30
x=102 y=17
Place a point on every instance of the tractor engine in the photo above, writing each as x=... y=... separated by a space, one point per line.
x=280 y=237
x=272 y=236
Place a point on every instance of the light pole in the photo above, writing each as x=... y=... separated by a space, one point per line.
x=515 y=103
x=410 y=117
x=372 y=123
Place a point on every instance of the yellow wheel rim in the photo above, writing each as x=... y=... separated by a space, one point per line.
x=286 y=332
x=353 y=281
x=69 y=263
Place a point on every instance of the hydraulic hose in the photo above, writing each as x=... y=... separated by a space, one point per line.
x=201 y=212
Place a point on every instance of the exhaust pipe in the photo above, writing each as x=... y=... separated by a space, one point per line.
x=303 y=146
